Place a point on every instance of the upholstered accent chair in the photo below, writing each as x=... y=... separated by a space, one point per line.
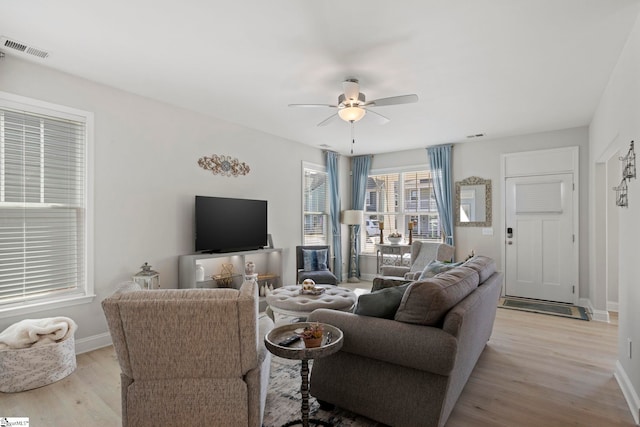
x=190 y=356
x=422 y=253
x=314 y=262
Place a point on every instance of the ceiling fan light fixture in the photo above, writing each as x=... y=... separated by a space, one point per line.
x=351 y=114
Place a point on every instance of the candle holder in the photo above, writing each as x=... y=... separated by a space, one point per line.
x=410 y=232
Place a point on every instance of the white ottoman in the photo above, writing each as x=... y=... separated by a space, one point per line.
x=288 y=301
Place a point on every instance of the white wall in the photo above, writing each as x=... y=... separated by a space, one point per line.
x=614 y=125
x=482 y=158
x=146 y=176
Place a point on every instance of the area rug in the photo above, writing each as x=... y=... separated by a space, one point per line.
x=544 y=307
x=284 y=400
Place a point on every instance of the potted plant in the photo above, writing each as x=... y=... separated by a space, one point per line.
x=395 y=238
x=312 y=335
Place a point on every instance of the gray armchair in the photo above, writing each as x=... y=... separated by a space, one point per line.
x=319 y=274
x=191 y=356
x=422 y=253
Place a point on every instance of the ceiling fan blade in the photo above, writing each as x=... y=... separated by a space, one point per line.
x=351 y=89
x=328 y=120
x=379 y=118
x=313 y=105
x=393 y=100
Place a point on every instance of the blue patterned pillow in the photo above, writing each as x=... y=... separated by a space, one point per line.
x=315 y=259
x=436 y=267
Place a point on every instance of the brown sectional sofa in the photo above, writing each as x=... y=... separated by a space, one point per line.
x=410 y=370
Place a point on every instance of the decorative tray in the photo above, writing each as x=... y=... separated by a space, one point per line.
x=316 y=291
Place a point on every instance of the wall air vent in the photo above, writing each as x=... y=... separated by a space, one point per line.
x=23 y=47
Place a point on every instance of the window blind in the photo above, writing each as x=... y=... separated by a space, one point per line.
x=315 y=207
x=396 y=199
x=42 y=205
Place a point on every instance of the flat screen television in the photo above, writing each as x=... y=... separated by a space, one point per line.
x=229 y=225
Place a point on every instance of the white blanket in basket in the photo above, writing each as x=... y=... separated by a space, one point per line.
x=37 y=332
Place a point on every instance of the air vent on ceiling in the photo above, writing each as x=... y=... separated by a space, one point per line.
x=477 y=135
x=23 y=47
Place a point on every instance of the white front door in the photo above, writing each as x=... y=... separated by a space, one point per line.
x=540 y=248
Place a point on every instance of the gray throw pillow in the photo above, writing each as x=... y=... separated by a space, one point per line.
x=383 y=303
x=436 y=267
x=426 y=302
x=483 y=265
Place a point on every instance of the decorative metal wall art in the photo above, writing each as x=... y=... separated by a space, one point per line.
x=224 y=165
x=629 y=164
x=628 y=172
x=621 y=194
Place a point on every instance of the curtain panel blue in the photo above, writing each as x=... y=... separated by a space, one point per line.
x=440 y=162
x=360 y=167
x=334 y=197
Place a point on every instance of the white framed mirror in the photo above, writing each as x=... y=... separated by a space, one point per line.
x=473 y=202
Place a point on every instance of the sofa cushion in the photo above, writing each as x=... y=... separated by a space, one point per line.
x=387 y=282
x=427 y=301
x=436 y=267
x=315 y=259
x=483 y=265
x=382 y=303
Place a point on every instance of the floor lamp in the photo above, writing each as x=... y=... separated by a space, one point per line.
x=353 y=218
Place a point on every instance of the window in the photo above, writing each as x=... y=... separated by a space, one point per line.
x=395 y=199
x=43 y=204
x=315 y=205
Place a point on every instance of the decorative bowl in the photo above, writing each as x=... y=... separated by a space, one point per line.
x=394 y=240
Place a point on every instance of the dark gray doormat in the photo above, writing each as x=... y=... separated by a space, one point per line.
x=544 y=307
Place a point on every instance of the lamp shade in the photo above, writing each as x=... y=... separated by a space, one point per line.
x=352 y=114
x=352 y=217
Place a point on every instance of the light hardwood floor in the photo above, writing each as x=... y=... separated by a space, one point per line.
x=536 y=371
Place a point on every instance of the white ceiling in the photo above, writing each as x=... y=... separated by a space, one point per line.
x=498 y=67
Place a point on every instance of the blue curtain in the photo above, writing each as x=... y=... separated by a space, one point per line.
x=360 y=166
x=334 y=195
x=440 y=162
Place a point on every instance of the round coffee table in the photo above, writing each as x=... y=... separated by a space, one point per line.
x=288 y=300
x=332 y=341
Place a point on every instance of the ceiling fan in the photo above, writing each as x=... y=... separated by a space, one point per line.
x=353 y=106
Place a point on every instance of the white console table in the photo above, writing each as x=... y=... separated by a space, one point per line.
x=395 y=255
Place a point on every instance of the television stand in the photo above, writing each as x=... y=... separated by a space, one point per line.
x=226 y=270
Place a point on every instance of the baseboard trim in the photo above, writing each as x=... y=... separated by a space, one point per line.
x=597 y=315
x=628 y=391
x=94 y=342
x=612 y=306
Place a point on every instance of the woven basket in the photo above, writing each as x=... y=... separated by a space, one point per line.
x=27 y=368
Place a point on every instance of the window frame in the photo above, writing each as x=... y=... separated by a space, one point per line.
x=401 y=199
x=85 y=293
x=327 y=214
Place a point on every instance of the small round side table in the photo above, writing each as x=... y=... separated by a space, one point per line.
x=332 y=341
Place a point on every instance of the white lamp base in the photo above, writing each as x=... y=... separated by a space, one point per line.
x=353 y=279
